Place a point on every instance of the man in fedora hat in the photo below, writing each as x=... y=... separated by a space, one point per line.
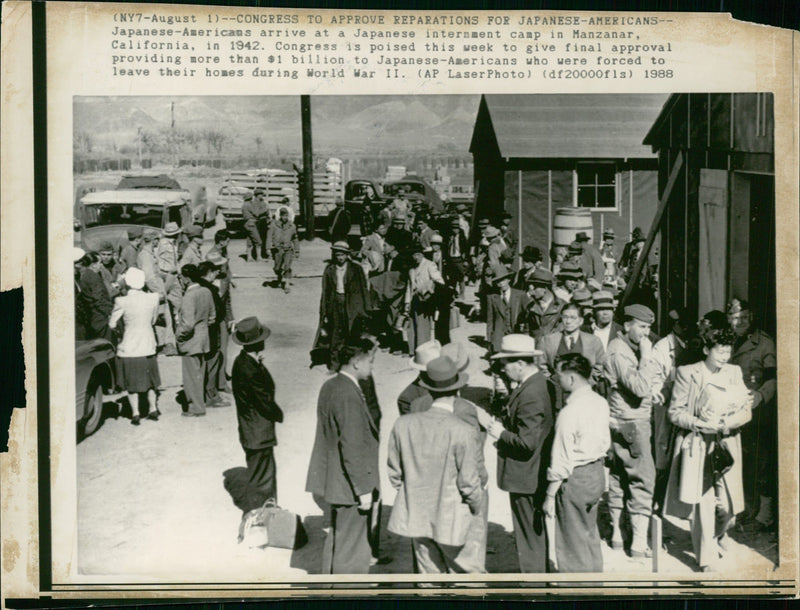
x=344 y=298
x=569 y=278
x=472 y=556
x=256 y=411
x=505 y=308
x=630 y=376
x=523 y=438
x=544 y=310
x=250 y=214
x=167 y=252
x=602 y=324
x=589 y=258
x=423 y=354
x=531 y=261
x=436 y=467
x=343 y=472
x=455 y=250
x=192 y=254
x=630 y=252
x=339 y=222
x=397 y=231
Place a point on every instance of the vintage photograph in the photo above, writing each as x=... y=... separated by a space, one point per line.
x=421 y=335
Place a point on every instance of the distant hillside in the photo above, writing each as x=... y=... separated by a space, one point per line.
x=351 y=124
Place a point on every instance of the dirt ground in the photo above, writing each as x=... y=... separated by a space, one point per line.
x=152 y=501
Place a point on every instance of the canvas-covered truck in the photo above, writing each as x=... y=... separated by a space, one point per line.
x=204 y=212
x=108 y=215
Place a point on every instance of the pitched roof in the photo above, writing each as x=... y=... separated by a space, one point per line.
x=599 y=126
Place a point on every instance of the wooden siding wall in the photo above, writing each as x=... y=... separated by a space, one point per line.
x=544 y=191
x=732 y=132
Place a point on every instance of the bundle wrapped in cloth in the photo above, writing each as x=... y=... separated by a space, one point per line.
x=719 y=404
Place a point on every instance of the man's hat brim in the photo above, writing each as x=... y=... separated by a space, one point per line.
x=262 y=336
x=460 y=382
x=511 y=355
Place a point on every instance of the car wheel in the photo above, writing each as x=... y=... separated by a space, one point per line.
x=94 y=408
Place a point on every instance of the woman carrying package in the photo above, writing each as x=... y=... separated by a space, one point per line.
x=709 y=404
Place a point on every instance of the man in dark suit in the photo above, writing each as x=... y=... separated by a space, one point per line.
x=343 y=471
x=572 y=340
x=524 y=436
x=256 y=410
x=344 y=299
x=209 y=272
x=339 y=223
x=504 y=309
x=603 y=325
x=196 y=314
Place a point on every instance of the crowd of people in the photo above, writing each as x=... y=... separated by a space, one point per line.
x=582 y=385
x=683 y=425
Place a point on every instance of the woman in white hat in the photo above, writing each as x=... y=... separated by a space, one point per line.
x=136 y=354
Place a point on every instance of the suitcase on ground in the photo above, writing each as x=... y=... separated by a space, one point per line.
x=271 y=525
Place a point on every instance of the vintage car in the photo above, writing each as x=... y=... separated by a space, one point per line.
x=416 y=188
x=204 y=212
x=108 y=215
x=362 y=200
x=94 y=377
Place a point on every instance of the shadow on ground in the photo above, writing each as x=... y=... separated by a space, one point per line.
x=501 y=554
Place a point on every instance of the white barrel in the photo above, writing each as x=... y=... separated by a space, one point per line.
x=568 y=222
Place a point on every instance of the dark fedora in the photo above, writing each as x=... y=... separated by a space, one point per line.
x=249 y=331
x=442 y=375
x=531 y=254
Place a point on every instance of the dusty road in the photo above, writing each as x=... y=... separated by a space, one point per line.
x=152 y=501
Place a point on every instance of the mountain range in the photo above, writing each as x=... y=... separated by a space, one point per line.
x=347 y=124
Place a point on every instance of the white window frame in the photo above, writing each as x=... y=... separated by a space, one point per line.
x=617 y=189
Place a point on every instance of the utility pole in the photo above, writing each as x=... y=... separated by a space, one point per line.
x=307 y=196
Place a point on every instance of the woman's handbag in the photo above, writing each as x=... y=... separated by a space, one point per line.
x=721 y=458
x=690 y=486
